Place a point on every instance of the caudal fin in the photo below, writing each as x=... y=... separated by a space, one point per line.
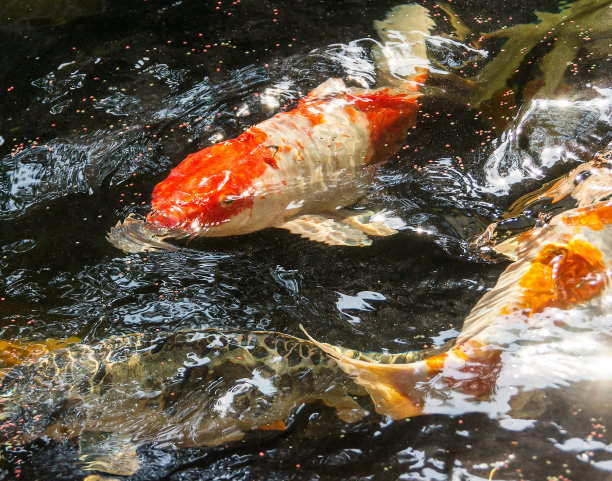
x=392 y=387
x=401 y=57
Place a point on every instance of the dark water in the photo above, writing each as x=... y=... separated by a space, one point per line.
x=100 y=99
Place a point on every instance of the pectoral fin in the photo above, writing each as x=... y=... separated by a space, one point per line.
x=371 y=223
x=324 y=229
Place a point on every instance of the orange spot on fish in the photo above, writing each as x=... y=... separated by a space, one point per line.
x=19 y=351
x=352 y=113
x=389 y=116
x=562 y=275
x=436 y=363
x=275 y=426
x=198 y=189
x=596 y=217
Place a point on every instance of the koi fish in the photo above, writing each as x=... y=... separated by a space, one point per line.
x=562 y=270
x=190 y=388
x=209 y=387
x=300 y=168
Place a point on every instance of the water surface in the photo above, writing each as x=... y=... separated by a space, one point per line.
x=100 y=99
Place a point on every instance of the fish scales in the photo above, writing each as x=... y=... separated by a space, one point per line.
x=314 y=163
x=207 y=387
x=187 y=389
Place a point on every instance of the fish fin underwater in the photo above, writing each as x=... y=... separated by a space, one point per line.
x=336 y=230
x=107 y=453
x=401 y=57
x=501 y=78
x=327 y=230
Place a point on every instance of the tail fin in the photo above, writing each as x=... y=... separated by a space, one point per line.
x=392 y=387
x=402 y=56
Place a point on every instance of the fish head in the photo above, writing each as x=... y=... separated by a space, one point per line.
x=212 y=191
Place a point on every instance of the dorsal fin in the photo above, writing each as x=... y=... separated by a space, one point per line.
x=329 y=88
x=402 y=57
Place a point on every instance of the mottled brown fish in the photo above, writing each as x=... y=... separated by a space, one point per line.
x=192 y=388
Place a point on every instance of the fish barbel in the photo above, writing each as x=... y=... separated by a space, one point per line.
x=298 y=168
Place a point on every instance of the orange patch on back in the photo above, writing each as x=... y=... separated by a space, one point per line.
x=596 y=217
x=197 y=187
x=275 y=426
x=309 y=109
x=352 y=113
x=14 y=353
x=436 y=363
x=479 y=366
x=389 y=116
x=562 y=275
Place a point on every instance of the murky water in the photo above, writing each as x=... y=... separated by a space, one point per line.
x=100 y=99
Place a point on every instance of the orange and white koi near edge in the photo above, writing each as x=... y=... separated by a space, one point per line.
x=297 y=169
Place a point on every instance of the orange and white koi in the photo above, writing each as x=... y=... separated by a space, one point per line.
x=296 y=168
x=562 y=271
x=560 y=282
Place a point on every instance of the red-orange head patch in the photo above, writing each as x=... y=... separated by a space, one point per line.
x=211 y=186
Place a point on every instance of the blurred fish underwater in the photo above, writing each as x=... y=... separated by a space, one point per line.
x=189 y=363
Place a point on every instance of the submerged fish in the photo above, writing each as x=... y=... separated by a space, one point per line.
x=298 y=169
x=567 y=28
x=191 y=388
x=562 y=272
x=557 y=41
x=208 y=387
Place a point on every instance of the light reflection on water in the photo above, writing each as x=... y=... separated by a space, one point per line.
x=59 y=277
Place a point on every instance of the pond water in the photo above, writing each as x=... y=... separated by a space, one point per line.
x=100 y=99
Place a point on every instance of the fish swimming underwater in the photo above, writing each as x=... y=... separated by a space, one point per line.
x=298 y=169
x=557 y=39
x=562 y=271
x=190 y=388
x=208 y=387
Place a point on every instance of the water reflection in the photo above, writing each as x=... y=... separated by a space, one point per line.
x=546 y=135
x=164 y=99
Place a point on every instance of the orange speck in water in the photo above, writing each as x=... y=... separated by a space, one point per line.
x=275 y=426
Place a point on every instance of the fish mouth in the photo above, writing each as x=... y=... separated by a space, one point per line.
x=169 y=218
x=173 y=222
x=135 y=235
